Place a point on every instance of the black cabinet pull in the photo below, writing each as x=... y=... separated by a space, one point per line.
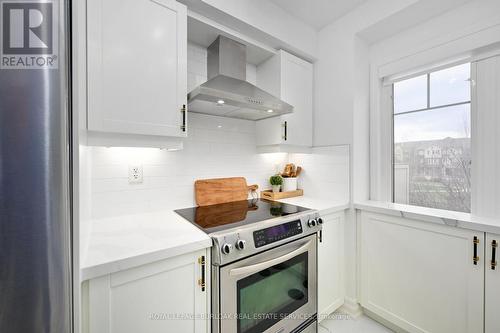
x=476 y=258
x=285 y=136
x=494 y=245
x=183 y=111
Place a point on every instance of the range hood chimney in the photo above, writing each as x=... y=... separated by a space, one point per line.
x=227 y=93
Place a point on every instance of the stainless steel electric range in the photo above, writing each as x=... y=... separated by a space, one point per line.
x=264 y=265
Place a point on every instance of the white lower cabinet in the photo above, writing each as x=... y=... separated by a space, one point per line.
x=330 y=265
x=492 y=285
x=156 y=298
x=422 y=277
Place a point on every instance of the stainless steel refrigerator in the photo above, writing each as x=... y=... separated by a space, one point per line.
x=35 y=168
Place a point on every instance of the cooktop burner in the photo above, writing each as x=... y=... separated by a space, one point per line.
x=238 y=213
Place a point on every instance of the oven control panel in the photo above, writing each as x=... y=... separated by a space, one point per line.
x=276 y=233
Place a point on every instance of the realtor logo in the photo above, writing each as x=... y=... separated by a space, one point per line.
x=29 y=34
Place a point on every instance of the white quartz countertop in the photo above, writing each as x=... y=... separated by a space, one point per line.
x=445 y=217
x=123 y=242
x=324 y=206
x=128 y=241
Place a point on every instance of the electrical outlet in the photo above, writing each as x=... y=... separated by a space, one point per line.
x=135 y=175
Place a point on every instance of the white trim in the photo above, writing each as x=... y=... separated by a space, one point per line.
x=472 y=56
x=471 y=39
x=351 y=307
x=485 y=137
x=381 y=147
x=389 y=80
x=432 y=215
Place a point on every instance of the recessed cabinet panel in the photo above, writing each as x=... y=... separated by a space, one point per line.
x=422 y=277
x=159 y=297
x=291 y=79
x=331 y=265
x=492 y=287
x=297 y=90
x=137 y=66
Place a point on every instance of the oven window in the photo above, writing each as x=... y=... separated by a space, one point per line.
x=268 y=296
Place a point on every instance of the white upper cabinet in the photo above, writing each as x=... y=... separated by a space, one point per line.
x=291 y=79
x=137 y=74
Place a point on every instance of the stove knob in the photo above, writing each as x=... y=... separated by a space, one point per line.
x=226 y=248
x=311 y=223
x=319 y=220
x=240 y=244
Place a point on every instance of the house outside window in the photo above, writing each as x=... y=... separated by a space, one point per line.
x=432 y=139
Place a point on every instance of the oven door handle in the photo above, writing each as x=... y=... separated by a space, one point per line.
x=269 y=263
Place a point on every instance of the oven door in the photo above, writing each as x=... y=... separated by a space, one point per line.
x=274 y=291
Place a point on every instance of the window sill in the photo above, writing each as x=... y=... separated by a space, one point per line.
x=439 y=216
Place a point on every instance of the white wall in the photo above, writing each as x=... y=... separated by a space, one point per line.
x=326 y=172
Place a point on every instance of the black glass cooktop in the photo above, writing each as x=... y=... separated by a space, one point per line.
x=235 y=214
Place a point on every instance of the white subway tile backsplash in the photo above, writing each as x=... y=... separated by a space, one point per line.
x=226 y=152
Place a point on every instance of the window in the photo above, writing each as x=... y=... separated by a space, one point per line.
x=432 y=145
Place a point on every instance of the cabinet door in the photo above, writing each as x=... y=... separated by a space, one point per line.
x=137 y=76
x=421 y=276
x=297 y=90
x=492 y=286
x=291 y=79
x=155 y=298
x=331 y=265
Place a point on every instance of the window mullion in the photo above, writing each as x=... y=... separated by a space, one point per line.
x=428 y=91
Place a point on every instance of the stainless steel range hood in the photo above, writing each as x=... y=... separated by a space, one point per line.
x=227 y=93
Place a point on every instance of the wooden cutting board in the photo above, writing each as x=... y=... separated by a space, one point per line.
x=221 y=190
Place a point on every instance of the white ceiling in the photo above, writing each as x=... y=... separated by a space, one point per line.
x=318 y=13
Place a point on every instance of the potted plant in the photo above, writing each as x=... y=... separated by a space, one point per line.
x=276 y=182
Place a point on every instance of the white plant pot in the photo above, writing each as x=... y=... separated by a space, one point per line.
x=276 y=188
x=289 y=184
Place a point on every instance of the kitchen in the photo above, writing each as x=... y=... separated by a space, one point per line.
x=249 y=166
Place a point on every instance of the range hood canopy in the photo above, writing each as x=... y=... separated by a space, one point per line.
x=227 y=93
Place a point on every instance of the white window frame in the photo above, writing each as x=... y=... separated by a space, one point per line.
x=485 y=181
x=428 y=108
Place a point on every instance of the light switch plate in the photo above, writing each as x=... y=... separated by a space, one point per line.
x=135 y=175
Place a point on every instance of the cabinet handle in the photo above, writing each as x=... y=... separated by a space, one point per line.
x=494 y=245
x=320 y=236
x=285 y=126
x=201 y=281
x=183 y=111
x=476 y=257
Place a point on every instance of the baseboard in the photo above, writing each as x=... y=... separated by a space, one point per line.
x=325 y=314
x=384 y=322
x=351 y=307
